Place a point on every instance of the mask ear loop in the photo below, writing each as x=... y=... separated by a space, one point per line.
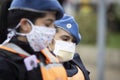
x=13 y=32
x=10 y=35
x=24 y=34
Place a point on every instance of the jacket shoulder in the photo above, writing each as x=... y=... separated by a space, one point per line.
x=11 y=65
x=77 y=61
x=6 y=69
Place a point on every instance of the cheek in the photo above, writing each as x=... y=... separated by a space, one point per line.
x=39 y=22
x=57 y=36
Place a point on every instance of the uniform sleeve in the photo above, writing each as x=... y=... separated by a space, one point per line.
x=77 y=61
x=6 y=72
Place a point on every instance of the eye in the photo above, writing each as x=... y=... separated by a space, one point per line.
x=73 y=40
x=65 y=38
x=49 y=22
x=50 y=25
x=47 y=25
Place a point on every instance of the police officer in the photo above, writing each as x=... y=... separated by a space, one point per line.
x=63 y=46
x=26 y=29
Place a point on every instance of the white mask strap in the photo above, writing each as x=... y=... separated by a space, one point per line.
x=11 y=33
x=24 y=34
x=9 y=37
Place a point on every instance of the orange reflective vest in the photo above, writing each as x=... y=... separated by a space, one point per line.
x=53 y=70
x=50 y=70
x=78 y=76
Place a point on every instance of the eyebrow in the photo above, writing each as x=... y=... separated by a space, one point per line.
x=65 y=36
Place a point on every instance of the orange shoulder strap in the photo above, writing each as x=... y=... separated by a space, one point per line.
x=12 y=50
x=8 y=49
x=49 y=56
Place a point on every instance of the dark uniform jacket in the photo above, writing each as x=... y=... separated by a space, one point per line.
x=72 y=69
x=12 y=66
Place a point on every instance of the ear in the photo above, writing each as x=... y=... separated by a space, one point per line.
x=24 y=26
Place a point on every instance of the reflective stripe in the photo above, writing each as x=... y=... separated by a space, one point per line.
x=17 y=49
x=48 y=66
x=11 y=50
x=50 y=71
x=8 y=49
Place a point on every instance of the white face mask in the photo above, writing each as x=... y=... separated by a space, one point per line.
x=64 y=50
x=39 y=37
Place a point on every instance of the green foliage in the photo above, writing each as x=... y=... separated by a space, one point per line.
x=87 y=27
x=113 y=40
x=117 y=10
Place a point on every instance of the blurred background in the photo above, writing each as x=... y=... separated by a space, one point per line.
x=99 y=25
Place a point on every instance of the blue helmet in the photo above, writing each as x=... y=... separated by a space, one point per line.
x=69 y=24
x=38 y=6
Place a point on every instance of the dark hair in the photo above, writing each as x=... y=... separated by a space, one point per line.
x=14 y=16
x=3 y=19
x=9 y=19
